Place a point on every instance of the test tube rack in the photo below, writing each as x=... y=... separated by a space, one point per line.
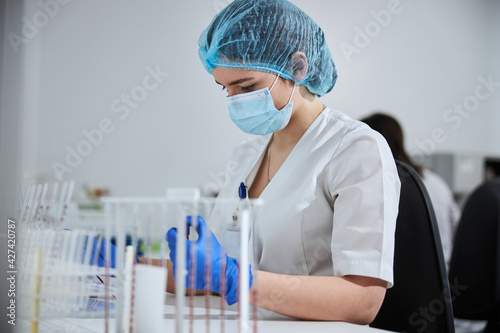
x=76 y=274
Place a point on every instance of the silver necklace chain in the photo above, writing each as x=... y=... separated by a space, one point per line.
x=268 y=163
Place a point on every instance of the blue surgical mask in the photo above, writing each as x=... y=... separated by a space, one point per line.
x=254 y=112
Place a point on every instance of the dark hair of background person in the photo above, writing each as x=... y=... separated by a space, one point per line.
x=392 y=132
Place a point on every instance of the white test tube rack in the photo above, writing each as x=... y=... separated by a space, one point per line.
x=174 y=214
x=66 y=279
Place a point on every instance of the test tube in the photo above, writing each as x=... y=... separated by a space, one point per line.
x=26 y=201
x=51 y=203
x=37 y=280
x=42 y=203
x=67 y=200
x=57 y=208
x=128 y=314
x=192 y=277
x=34 y=207
x=208 y=273
x=148 y=233
x=180 y=284
x=244 y=274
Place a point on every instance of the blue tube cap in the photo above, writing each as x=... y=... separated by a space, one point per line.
x=242 y=191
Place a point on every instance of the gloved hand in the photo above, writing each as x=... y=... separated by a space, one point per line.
x=99 y=257
x=221 y=265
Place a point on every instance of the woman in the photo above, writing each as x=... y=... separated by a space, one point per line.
x=329 y=184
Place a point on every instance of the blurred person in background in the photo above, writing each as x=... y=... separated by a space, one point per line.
x=446 y=209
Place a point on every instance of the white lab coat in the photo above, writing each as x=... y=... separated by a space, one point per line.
x=331 y=208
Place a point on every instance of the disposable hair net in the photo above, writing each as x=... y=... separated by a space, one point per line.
x=264 y=35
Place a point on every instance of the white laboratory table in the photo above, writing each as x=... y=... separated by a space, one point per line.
x=268 y=326
x=82 y=325
x=268 y=322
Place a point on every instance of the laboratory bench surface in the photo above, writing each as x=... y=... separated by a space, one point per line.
x=195 y=318
x=75 y=325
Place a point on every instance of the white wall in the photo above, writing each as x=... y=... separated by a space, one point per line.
x=426 y=59
x=492 y=127
x=423 y=62
x=93 y=52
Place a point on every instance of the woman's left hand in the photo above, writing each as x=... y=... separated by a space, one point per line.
x=207 y=249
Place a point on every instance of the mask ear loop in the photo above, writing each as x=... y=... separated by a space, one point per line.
x=293 y=90
x=274 y=83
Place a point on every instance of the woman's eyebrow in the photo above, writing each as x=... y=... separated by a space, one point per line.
x=237 y=81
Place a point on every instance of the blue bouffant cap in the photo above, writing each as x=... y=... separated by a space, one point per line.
x=264 y=35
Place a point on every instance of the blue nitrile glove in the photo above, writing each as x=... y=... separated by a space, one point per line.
x=218 y=259
x=99 y=257
x=102 y=253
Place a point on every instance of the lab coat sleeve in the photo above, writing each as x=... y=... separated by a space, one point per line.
x=364 y=186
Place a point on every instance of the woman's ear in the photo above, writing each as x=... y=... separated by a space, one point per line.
x=299 y=65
